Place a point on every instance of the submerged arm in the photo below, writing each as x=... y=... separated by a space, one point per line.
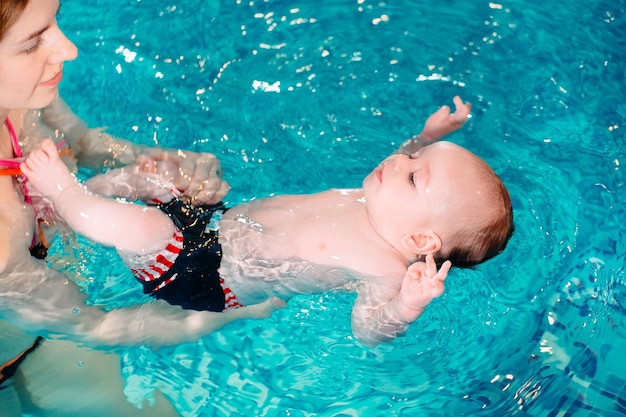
x=159 y=323
x=43 y=301
x=379 y=318
x=438 y=125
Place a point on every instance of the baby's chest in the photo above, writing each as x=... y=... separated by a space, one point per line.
x=326 y=244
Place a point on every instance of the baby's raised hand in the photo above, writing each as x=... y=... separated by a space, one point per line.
x=421 y=284
x=442 y=122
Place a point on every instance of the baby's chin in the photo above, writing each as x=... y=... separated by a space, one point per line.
x=367 y=180
x=369 y=185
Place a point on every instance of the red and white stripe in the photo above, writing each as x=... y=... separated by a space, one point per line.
x=167 y=281
x=163 y=261
x=231 y=298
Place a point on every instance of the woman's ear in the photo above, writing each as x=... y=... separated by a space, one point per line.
x=422 y=243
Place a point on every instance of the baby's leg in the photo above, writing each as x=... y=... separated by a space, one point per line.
x=127 y=227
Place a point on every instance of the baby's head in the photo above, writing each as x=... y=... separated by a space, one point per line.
x=442 y=200
x=478 y=221
x=481 y=221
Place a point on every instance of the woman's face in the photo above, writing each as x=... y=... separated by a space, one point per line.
x=32 y=53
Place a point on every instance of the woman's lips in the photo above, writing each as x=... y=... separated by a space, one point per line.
x=54 y=80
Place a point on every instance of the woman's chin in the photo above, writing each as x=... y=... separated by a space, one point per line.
x=43 y=98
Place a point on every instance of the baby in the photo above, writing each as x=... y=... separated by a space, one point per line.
x=441 y=205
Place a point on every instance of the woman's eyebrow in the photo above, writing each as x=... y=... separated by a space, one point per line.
x=39 y=32
x=33 y=36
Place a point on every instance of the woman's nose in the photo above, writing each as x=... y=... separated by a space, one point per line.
x=62 y=48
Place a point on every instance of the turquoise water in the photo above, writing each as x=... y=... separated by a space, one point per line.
x=303 y=95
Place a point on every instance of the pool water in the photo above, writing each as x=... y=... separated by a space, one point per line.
x=304 y=95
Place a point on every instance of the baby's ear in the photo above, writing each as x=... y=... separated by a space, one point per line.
x=422 y=243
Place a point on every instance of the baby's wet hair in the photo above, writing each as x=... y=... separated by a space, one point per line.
x=472 y=244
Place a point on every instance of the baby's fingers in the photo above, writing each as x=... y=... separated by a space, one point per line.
x=431 y=268
x=462 y=110
x=443 y=271
x=442 y=113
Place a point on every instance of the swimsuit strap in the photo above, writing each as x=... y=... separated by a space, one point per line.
x=14 y=166
x=8 y=369
x=11 y=166
x=16 y=145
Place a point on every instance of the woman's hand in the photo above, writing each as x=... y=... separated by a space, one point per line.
x=198 y=176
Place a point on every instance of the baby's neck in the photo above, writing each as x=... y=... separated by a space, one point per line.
x=358 y=215
x=348 y=209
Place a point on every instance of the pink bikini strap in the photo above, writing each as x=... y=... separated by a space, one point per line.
x=16 y=145
x=17 y=150
x=11 y=166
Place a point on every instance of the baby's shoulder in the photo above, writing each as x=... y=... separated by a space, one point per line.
x=381 y=270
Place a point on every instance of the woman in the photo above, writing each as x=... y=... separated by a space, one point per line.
x=41 y=376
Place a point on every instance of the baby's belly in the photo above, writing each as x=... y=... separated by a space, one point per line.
x=256 y=266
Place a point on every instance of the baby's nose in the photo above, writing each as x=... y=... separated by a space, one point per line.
x=400 y=162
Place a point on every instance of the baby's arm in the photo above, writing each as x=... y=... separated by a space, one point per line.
x=127 y=227
x=375 y=321
x=439 y=124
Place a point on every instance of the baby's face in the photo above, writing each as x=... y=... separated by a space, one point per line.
x=433 y=190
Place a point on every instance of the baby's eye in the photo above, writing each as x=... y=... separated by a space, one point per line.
x=412 y=178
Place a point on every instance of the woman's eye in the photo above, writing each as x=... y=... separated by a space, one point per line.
x=32 y=48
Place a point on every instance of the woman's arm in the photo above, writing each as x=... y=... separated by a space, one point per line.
x=199 y=175
x=43 y=301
